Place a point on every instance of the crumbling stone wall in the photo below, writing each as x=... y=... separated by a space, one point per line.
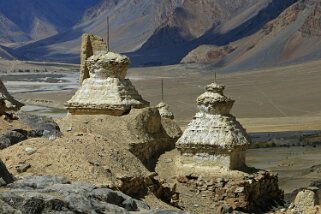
x=253 y=193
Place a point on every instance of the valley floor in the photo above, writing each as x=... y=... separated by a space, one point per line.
x=277 y=99
x=269 y=100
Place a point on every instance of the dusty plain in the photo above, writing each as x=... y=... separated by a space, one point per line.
x=268 y=100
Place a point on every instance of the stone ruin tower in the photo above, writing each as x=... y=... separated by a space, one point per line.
x=106 y=90
x=7 y=102
x=214 y=135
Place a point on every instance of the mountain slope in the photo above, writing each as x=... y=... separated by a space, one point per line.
x=9 y=31
x=6 y=54
x=131 y=24
x=136 y=25
x=38 y=19
x=292 y=37
x=234 y=25
x=228 y=34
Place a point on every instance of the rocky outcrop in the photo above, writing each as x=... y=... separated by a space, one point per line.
x=106 y=91
x=214 y=134
x=7 y=102
x=12 y=137
x=90 y=45
x=312 y=24
x=52 y=194
x=28 y=126
x=208 y=54
x=41 y=126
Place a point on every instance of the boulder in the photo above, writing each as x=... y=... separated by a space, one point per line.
x=10 y=138
x=41 y=126
x=306 y=198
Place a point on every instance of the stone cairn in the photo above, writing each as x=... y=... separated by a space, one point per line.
x=214 y=134
x=106 y=91
x=7 y=102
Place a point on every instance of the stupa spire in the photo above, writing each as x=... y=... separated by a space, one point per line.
x=108 y=33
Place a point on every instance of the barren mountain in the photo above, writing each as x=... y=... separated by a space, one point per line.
x=236 y=22
x=131 y=24
x=230 y=34
x=294 y=36
x=25 y=21
x=4 y=54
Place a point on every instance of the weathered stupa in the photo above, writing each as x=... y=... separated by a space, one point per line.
x=106 y=91
x=210 y=162
x=7 y=102
x=214 y=135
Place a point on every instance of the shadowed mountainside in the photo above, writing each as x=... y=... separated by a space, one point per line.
x=219 y=34
x=131 y=24
x=25 y=21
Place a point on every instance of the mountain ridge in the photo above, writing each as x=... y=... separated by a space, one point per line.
x=226 y=34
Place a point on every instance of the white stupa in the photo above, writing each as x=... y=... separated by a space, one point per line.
x=214 y=135
x=107 y=91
